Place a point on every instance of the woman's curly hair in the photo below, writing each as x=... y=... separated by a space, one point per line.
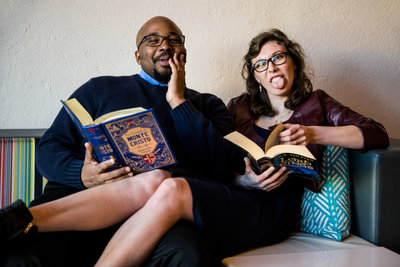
x=302 y=86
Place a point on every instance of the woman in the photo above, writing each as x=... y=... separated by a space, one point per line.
x=279 y=89
x=261 y=209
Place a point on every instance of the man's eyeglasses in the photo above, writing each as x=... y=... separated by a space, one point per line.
x=262 y=64
x=156 y=40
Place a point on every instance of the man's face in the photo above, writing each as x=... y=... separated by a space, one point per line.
x=155 y=60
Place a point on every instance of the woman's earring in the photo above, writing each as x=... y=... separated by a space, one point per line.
x=260 y=87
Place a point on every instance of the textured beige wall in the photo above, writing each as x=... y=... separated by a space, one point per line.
x=48 y=48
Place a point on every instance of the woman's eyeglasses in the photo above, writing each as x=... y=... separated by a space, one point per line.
x=262 y=64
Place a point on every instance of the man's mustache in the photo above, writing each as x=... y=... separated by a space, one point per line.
x=169 y=55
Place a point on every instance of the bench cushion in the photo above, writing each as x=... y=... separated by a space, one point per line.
x=296 y=243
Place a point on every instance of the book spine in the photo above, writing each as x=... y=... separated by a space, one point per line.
x=102 y=148
x=75 y=121
x=95 y=135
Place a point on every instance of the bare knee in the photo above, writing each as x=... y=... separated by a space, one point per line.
x=153 y=179
x=148 y=182
x=176 y=193
x=173 y=186
x=160 y=173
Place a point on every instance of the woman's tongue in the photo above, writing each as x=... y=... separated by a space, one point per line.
x=278 y=82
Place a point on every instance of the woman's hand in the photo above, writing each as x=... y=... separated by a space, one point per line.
x=177 y=83
x=296 y=134
x=348 y=136
x=265 y=181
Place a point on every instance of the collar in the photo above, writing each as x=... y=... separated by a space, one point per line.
x=150 y=79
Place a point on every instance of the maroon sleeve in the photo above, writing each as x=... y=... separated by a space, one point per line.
x=375 y=135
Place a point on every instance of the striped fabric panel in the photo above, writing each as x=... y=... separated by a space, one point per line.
x=17 y=170
x=327 y=213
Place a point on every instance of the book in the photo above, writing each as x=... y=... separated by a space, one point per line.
x=133 y=137
x=296 y=158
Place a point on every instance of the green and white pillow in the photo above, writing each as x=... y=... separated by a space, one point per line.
x=327 y=213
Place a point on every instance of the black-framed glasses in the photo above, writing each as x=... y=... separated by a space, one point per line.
x=262 y=64
x=155 y=40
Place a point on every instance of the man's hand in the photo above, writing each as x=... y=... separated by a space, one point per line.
x=177 y=83
x=266 y=180
x=94 y=173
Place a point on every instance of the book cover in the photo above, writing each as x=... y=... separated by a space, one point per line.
x=139 y=141
x=133 y=137
x=296 y=158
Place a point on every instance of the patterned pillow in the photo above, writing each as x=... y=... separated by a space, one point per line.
x=327 y=213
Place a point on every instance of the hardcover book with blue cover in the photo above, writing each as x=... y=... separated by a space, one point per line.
x=133 y=137
x=296 y=158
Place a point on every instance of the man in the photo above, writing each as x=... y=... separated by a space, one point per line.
x=61 y=152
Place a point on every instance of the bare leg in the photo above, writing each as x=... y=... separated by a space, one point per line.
x=137 y=237
x=100 y=206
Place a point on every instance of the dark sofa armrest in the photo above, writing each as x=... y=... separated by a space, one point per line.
x=15 y=133
x=375 y=195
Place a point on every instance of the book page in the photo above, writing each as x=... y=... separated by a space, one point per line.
x=296 y=149
x=118 y=114
x=85 y=119
x=273 y=138
x=79 y=111
x=245 y=143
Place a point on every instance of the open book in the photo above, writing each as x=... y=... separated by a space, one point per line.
x=296 y=158
x=132 y=137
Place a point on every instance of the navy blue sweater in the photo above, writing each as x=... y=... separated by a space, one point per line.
x=193 y=129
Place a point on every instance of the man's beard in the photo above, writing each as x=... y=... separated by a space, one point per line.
x=163 y=77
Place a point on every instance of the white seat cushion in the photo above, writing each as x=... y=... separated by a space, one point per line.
x=302 y=242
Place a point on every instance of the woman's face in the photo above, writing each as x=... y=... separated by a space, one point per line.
x=277 y=80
